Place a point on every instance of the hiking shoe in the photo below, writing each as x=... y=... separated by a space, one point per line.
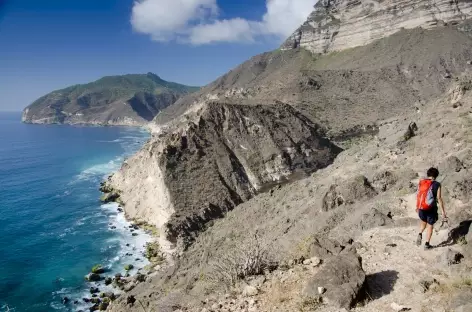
x=427 y=246
x=419 y=239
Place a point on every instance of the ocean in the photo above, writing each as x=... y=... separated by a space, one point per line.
x=53 y=228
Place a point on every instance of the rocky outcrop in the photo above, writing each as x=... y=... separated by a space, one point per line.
x=339 y=282
x=336 y=25
x=227 y=153
x=129 y=100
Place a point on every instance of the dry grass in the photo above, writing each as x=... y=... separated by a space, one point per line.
x=310 y=304
x=251 y=258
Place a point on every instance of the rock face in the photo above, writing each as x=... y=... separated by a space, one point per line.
x=114 y=100
x=196 y=172
x=340 y=24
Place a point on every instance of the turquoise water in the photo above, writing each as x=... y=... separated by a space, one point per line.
x=53 y=228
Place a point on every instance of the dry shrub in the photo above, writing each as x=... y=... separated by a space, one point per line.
x=247 y=259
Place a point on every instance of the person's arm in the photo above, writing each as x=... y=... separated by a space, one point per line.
x=441 y=203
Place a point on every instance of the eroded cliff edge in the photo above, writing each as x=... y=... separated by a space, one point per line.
x=222 y=155
x=336 y=25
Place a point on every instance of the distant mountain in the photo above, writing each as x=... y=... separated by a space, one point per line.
x=113 y=100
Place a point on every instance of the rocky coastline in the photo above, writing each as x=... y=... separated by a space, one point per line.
x=106 y=284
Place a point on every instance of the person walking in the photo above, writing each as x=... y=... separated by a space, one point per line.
x=428 y=197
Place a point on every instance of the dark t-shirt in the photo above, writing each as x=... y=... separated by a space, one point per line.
x=436 y=186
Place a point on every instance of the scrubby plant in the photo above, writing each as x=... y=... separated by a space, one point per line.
x=250 y=258
x=462 y=241
x=310 y=304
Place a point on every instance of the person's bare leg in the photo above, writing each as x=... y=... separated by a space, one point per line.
x=429 y=233
x=422 y=226
x=420 y=237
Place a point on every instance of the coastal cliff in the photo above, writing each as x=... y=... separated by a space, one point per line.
x=189 y=174
x=129 y=100
x=337 y=25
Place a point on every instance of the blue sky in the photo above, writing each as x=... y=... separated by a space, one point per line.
x=50 y=44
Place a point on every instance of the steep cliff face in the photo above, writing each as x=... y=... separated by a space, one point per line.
x=114 y=100
x=191 y=174
x=336 y=25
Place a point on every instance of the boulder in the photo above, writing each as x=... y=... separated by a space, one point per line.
x=140 y=278
x=450 y=164
x=410 y=131
x=347 y=192
x=103 y=306
x=343 y=279
x=374 y=218
x=92 y=277
x=323 y=247
x=108 y=281
x=129 y=267
x=110 y=197
x=98 y=269
x=110 y=295
x=94 y=290
x=384 y=180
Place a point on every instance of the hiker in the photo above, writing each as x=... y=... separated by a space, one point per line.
x=427 y=199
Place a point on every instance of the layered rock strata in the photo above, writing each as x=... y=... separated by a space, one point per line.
x=336 y=25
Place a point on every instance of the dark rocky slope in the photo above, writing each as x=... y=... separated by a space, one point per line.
x=113 y=100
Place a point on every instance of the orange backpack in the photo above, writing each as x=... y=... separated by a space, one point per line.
x=424 y=196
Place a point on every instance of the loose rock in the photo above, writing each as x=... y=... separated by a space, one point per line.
x=343 y=278
x=398 y=308
x=250 y=291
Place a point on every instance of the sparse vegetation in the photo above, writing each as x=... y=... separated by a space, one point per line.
x=248 y=259
x=153 y=253
x=462 y=241
x=310 y=304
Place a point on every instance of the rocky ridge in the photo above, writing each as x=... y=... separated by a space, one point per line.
x=337 y=25
x=130 y=100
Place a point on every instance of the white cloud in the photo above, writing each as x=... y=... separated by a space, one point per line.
x=196 y=21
